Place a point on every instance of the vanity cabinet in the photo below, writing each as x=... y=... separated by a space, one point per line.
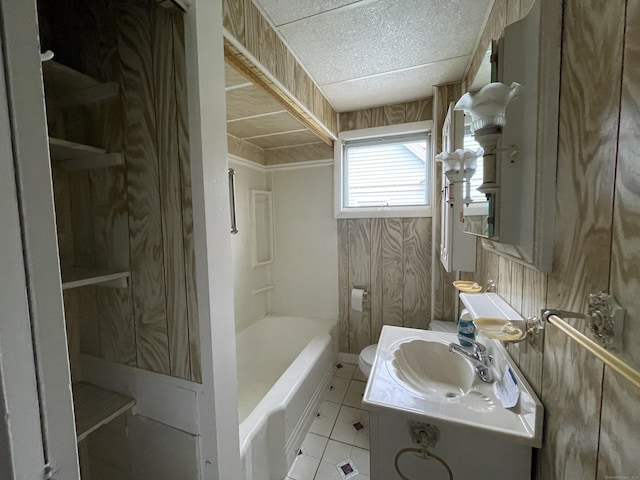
x=467 y=452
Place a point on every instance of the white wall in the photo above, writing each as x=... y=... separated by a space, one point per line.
x=306 y=266
x=248 y=307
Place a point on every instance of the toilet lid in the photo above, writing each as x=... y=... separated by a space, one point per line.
x=369 y=353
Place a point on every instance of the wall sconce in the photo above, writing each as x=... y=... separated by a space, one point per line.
x=460 y=166
x=487 y=108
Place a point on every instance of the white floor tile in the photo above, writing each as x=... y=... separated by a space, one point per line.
x=337 y=390
x=346 y=370
x=360 y=458
x=324 y=421
x=355 y=391
x=304 y=468
x=327 y=471
x=336 y=452
x=314 y=445
x=358 y=375
x=352 y=427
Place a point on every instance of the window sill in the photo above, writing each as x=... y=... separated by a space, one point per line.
x=384 y=212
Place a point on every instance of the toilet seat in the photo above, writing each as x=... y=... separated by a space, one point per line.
x=366 y=357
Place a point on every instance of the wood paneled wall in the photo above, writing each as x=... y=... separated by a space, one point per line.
x=247 y=26
x=591 y=421
x=392 y=257
x=416 y=111
x=137 y=216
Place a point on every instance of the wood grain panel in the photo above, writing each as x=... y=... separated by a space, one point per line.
x=625 y=254
x=187 y=206
x=588 y=123
x=376 y=287
x=233 y=18
x=170 y=187
x=393 y=271
x=359 y=234
x=103 y=126
x=289 y=139
x=265 y=125
x=300 y=153
x=619 y=427
x=417 y=278
x=571 y=394
x=533 y=301
x=343 y=284
x=145 y=217
x=418 y=110
x=243 y=149
x=233 y=78
x=248 y=101
x=620 y=424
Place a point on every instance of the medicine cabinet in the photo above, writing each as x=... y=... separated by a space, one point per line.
x=521 y=218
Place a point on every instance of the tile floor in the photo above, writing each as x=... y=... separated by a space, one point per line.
x=337 y=445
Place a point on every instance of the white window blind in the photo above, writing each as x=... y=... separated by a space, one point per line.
x=471 y=144
x=386 y=172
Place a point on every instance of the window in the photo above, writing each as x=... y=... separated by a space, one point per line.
x=384 y=172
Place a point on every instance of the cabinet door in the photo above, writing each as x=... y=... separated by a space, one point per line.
x=21 y=446
x=39 y=241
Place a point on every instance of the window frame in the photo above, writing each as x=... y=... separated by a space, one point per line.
x=341 y=211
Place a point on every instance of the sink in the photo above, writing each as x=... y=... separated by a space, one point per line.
x=428 y=369
x=414 y=374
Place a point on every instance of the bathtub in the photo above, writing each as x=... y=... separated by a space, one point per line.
x=285 y=365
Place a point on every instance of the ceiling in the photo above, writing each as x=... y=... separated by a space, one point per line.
x=253 y=116
x=362 y=54
x=368 y=53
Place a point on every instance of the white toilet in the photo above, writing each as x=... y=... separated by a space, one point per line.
x=367 y=355
x=365 y=360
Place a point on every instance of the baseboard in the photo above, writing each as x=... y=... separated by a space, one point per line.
x=351 y=358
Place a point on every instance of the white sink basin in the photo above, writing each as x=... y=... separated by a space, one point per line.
x=415 y=373
x=428 y=369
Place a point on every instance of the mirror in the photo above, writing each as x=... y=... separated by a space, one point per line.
x=475 y=208
x=262 y=207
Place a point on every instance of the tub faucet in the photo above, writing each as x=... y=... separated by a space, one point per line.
x=478 y=355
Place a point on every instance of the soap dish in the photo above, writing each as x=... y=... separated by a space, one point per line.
x=467 y=286
x=499 y=329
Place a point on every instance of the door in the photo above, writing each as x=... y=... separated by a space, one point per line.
x=38 y=280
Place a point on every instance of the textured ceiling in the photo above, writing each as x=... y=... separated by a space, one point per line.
x=375 y=52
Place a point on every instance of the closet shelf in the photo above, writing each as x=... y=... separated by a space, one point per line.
x=80 y=277
x=95 y=407
x=75 y=156
x=68 y=87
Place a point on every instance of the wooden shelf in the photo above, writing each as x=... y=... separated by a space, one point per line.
x=80 y=277
x=68 y=87
x=95 y=407
x=75 y=156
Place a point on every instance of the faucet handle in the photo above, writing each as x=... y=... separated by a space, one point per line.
x=477 y=346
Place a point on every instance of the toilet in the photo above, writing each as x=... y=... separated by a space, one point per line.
x=367 y=355
x=365 y=360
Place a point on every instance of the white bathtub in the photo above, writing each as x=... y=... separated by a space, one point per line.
x=284 y=367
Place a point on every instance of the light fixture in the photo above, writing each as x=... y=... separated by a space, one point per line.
x=487 y=108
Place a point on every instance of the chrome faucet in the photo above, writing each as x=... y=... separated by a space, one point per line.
x=478 y=355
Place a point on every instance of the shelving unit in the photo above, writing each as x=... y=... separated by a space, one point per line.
x=75 y=156
x=67 y=87
x=95 y=407
x=81 y=277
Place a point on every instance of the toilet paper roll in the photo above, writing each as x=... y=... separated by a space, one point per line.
x=357 y=297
